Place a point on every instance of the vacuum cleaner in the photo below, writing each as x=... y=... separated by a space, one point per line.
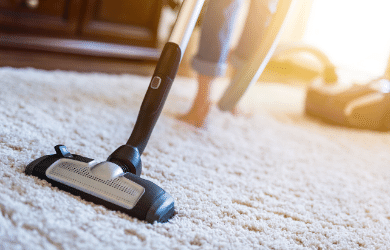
x=116 y=182
x=362 y=106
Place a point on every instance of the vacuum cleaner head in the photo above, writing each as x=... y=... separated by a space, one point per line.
x=104 y=183
x=116 y=183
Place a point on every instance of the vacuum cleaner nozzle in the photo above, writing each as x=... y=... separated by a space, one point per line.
x=104 y=183
x=116 y=183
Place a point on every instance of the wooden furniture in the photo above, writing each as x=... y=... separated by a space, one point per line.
x=122 y=21
x=97 y=29
x=59 y=17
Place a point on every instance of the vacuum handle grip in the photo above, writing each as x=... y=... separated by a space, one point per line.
x=156 y=95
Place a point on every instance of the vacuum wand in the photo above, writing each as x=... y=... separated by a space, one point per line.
x=164 y=74
x=116 y=183
x=128 y=156
x=156 y=95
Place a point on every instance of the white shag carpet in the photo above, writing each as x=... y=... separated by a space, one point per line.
x=273 y=180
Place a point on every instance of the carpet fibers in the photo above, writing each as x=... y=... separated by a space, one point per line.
x=273 y=179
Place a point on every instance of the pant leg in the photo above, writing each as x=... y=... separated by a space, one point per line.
x=216 y=35
x=258 y=18
x=254 y=62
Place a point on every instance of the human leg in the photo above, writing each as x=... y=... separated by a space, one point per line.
x=196 y=116
x=254 y=48
x=210 y=61
x=258 y=18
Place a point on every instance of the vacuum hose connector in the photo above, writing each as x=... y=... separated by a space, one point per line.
x=128 y=158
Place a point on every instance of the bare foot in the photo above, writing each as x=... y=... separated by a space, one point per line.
x=201 y=105
x=235 y=111
x=239 y=112
x=197 y=115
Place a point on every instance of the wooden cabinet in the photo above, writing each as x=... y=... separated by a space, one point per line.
x=122 y=21
x=122 y=29
x=58 y=17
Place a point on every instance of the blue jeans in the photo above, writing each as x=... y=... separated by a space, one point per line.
x=217 y=30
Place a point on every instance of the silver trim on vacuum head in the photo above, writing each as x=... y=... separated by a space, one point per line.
x=80 y=175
